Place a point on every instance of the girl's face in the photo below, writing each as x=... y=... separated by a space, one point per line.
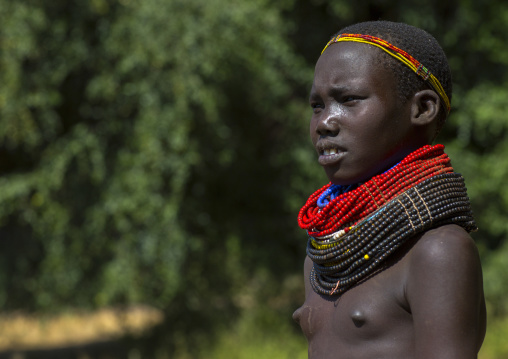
x=359 y=126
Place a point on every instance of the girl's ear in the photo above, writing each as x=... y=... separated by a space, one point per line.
x=425 y=107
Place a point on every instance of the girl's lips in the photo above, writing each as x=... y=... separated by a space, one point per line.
x=330 y=159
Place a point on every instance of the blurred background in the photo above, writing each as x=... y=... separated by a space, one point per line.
x=154 y=155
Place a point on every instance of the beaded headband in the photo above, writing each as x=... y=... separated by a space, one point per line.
x=400 y=55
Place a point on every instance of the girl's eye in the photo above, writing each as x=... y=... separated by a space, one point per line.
x=316 y=106
x=350 y=98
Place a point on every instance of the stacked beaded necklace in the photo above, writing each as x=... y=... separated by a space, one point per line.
x=352 y=233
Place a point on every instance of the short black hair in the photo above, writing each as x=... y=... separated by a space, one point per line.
x=419 y=44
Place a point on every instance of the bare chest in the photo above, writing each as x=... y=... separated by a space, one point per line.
x=371 y=318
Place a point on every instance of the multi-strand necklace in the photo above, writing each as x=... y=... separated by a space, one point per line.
x=354 y=232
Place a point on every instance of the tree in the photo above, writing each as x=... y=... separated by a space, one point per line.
x=127 y=129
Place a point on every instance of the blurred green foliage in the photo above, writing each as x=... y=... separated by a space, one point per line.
x=157 y=151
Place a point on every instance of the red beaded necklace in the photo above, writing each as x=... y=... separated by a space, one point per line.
x=348 y=209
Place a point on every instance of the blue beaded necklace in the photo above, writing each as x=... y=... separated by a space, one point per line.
x=333 y=192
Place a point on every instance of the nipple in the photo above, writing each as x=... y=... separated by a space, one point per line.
x=303 y=316
x=297 y=315
x=358 y=318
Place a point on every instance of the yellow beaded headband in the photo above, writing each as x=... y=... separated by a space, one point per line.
x=400 y=55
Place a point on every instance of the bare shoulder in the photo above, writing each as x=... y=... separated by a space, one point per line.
x=445 y=258
x=444 y=243
x=444 y=249
x=444 y=290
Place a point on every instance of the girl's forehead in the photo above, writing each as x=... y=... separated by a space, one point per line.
x=351 y=64
x=354 y=55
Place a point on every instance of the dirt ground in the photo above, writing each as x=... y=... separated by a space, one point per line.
x=80 y=335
